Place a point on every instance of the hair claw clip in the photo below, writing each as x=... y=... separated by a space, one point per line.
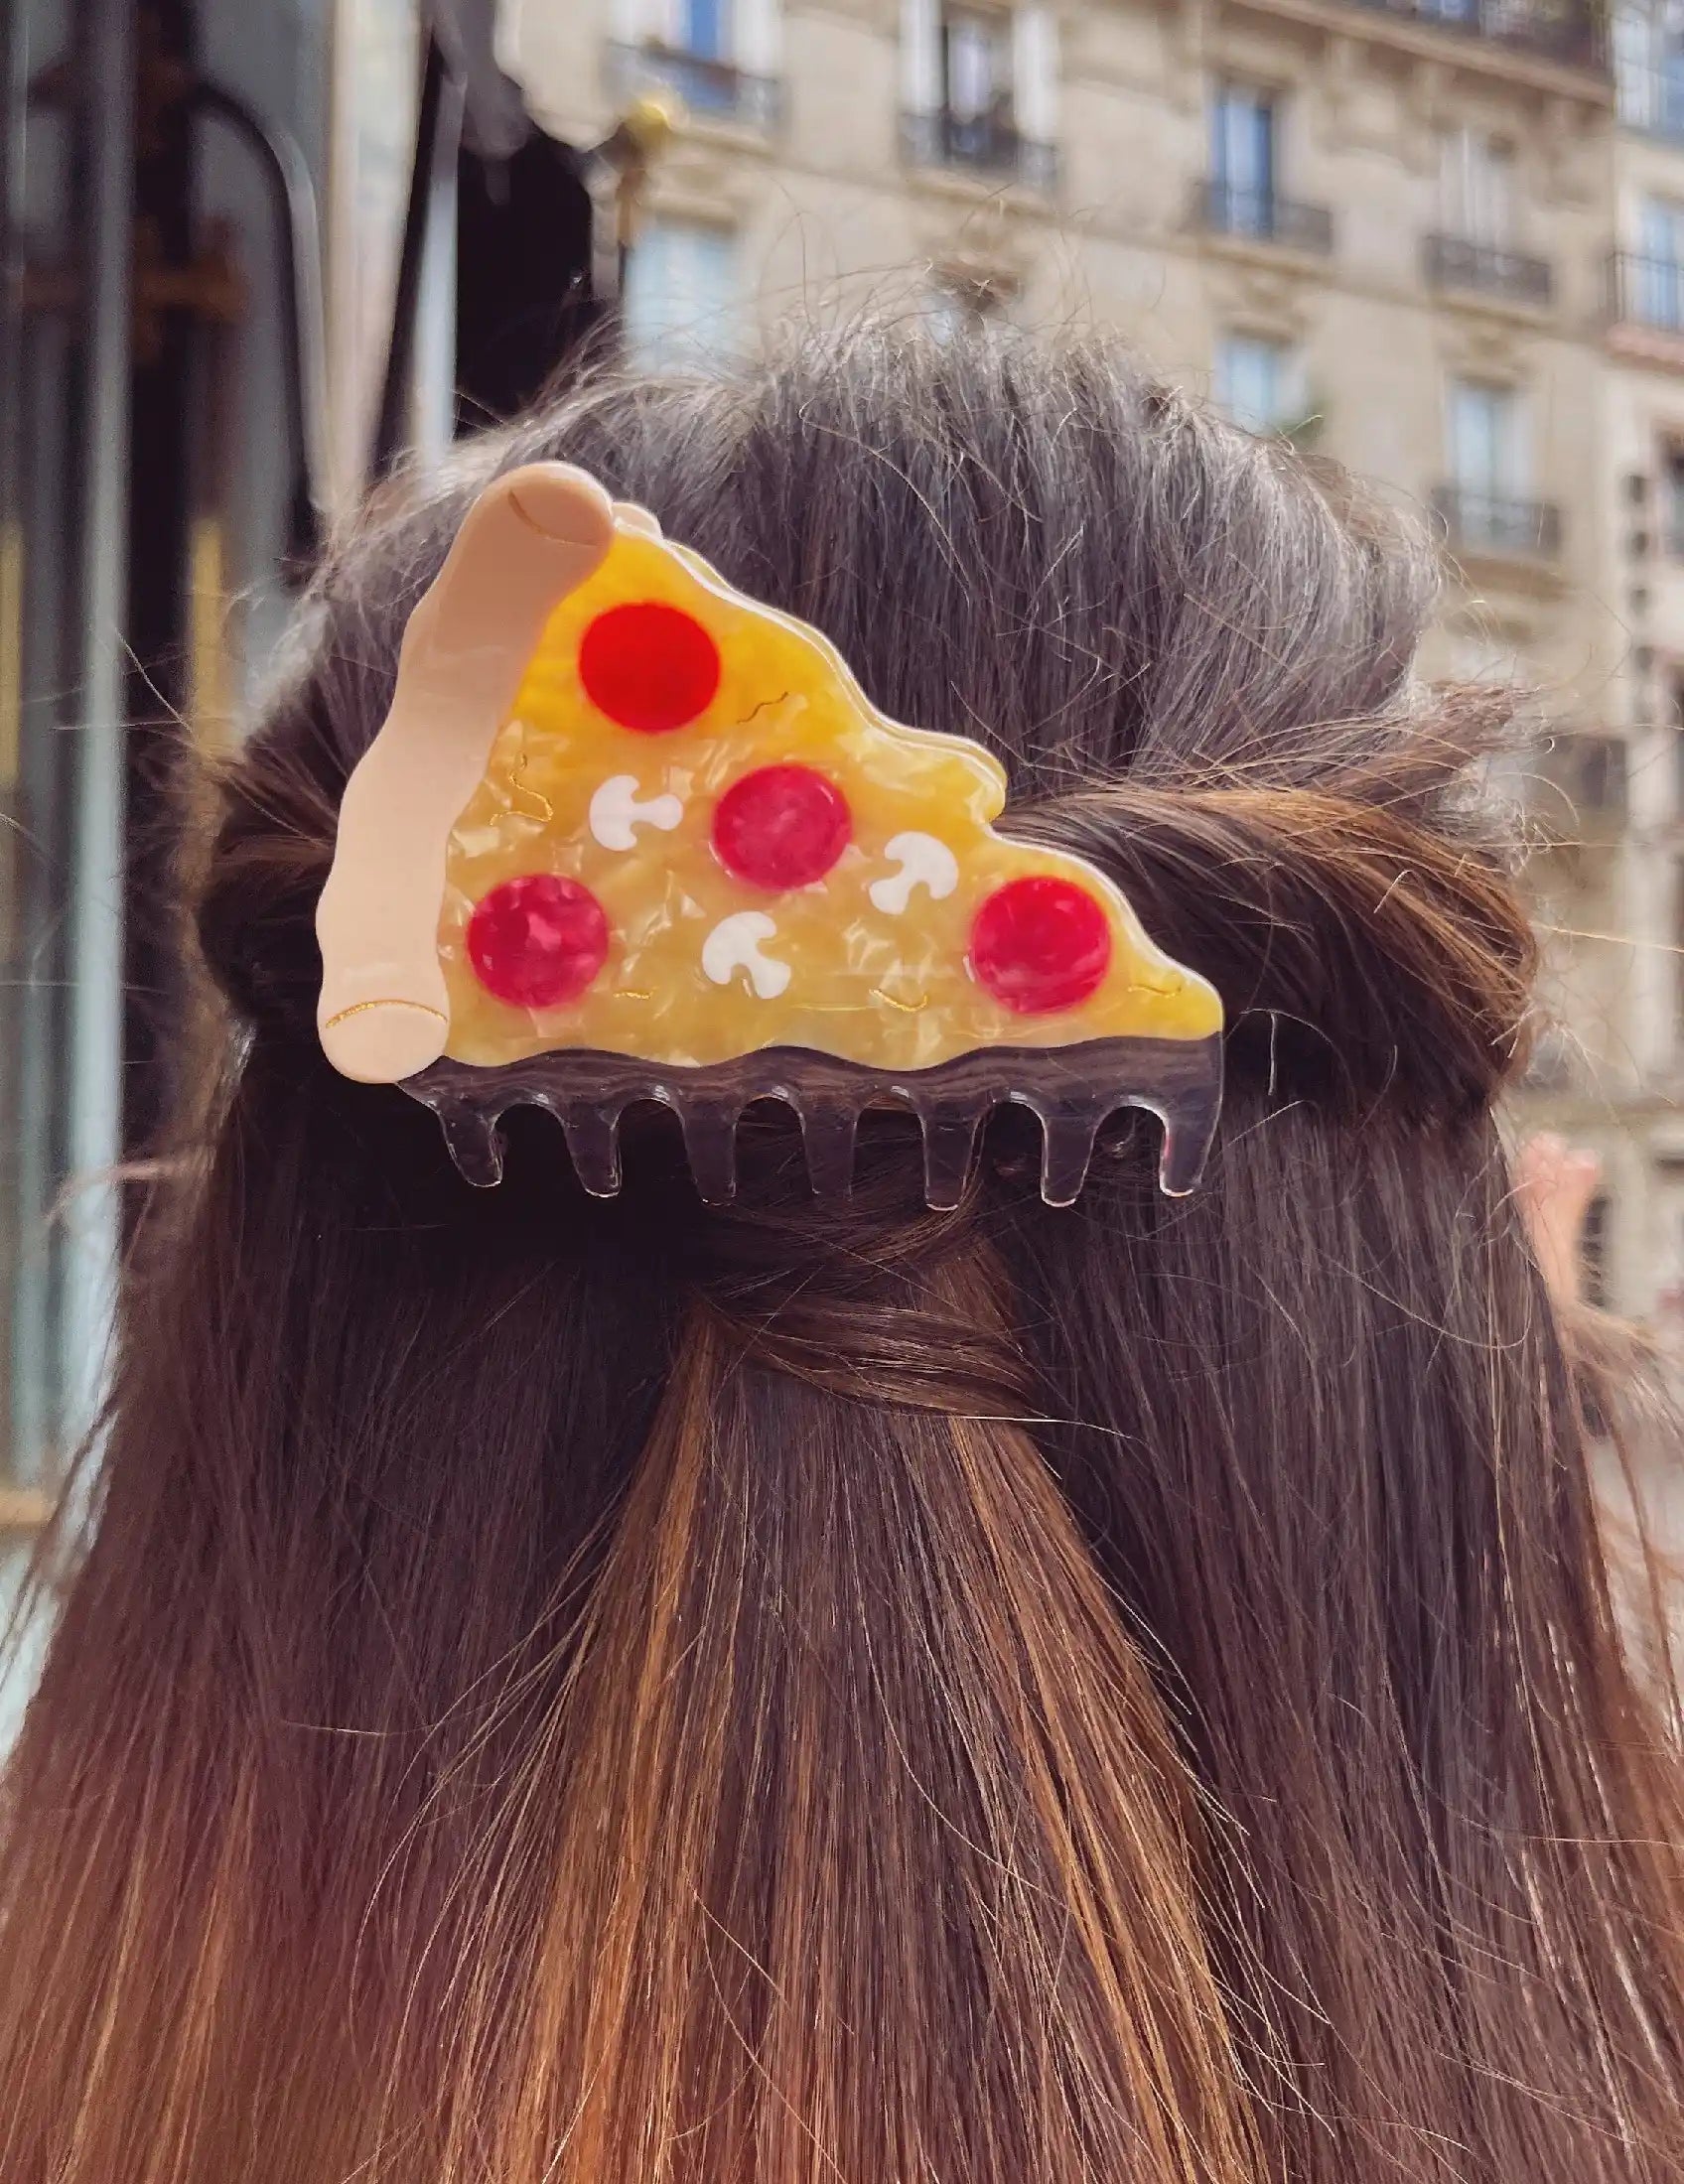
x=628 y=835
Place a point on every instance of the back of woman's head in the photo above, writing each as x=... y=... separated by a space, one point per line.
x=570 y=1690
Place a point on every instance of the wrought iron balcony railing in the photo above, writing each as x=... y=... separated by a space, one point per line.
x=1568 y=31
x=1496 y=524
x=1453 y=261
x=1259 y=215
x=1648 y=292
x=986 y=143
x=712 y=90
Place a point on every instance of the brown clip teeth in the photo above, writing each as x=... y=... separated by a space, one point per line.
x=628 y=835
x=1072 y=1090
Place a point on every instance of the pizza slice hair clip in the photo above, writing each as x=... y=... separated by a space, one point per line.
x=628 y=835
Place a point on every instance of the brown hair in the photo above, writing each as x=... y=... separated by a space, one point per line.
x=569 y=1692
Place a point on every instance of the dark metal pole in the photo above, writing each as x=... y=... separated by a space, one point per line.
x=292 y=200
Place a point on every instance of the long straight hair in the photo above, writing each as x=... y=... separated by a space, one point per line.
x=554 y=1693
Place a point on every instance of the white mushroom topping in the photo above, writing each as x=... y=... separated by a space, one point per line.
x=925 y=862
x=617 y=811
x=735 y=945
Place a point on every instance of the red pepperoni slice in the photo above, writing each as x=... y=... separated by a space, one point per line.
x=650 y=667
x=782 y=827
x=1039 y=944
x=538 y=940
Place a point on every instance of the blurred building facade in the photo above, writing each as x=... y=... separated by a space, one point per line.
x=1442 y=240
x=1642 y=487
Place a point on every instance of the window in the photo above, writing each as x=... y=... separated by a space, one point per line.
x=703 y=28
x=1487 y=503
x=1648 y=66
x=1257 y=382
x=1672 y=500
x=1677 y=876
x=682 y=302
x=1594 y=1248
x=1660 y=264
x=979 y=87
x=1677 y=702
x=1662 y=224
x=1487 y=447
x=1242 y=160
x=976 y=83
x=1475 y=186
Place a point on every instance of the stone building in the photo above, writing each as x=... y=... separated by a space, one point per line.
x=1415 y=234
x=1643 y=516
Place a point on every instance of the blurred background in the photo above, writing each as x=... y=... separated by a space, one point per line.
x=252 y=255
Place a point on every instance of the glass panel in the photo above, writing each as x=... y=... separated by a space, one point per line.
x=1660 y=264
x=1484 y=448
x=1253 y=377
x=1242 y=160
x=707 y=28
x=1662 y=228
x=977 y=69
x=1633 y=69
x=1594 y=1248
x=1489 y=196
x=1648 y=62
x=680 y=306
x=1672 y=503
x=1476 y=174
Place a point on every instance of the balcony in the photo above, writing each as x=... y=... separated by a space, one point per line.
x=1576 y=788
x=711 y=91
x=1493 y=523
x=983 y=144
x=1648 y=292
x=1566 y=31
x=1482 y=268
x=1255 y=216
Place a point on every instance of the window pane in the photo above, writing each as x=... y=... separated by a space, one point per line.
x=1254 y=381
x=1594 y=1248
x=1242 y=159
x=1660 y=264
x=1475 y=187
x=707 y=28
x=1485 y=452
x=682 y=302
x=1662 y=228
x=978 y=65
x=1634 y=43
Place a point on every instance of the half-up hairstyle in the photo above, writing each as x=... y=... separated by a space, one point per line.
x=826 y=1693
